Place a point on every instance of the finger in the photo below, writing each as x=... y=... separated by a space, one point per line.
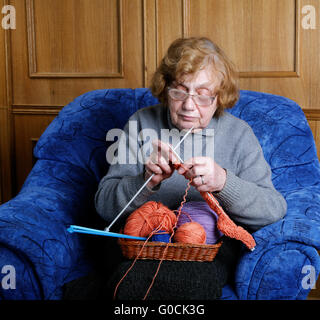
x=202 y=188
x=154 y=157
x=196 y=171
x=196 y=164
x=165 y=151
x=154 y=168
x=196 y=161
x=197 y=181
x=185 y=167
x=155 y=180
x=156 y=152
x=165 y=167
x=182 y=169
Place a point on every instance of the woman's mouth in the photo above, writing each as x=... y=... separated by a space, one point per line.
x=186 y=118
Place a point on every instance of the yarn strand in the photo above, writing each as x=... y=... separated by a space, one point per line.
x=167 y=246
x=136 y=258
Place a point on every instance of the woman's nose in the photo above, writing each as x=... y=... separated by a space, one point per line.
x=189 y=103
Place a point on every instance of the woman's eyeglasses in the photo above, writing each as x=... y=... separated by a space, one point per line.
x=199 y=99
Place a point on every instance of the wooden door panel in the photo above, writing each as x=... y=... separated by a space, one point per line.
x=74 y=38
x=259 y=35
x=67 y=47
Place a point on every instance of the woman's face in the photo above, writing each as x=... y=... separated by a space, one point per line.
x=185 y=114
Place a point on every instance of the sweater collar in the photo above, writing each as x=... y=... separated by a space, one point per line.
x=213 y=124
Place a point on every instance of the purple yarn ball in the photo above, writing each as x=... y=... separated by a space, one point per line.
x=199 y=211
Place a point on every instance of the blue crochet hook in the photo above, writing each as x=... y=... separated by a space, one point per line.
x=97 y=232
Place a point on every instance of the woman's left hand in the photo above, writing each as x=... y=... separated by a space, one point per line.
x=207 y=175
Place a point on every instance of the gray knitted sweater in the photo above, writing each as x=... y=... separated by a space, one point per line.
x=248 y=196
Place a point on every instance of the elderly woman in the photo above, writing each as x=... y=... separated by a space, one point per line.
x=195 y=82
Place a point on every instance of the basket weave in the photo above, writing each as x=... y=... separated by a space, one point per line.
x=175 y=251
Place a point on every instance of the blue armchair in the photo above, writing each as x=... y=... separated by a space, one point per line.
x=71 y=160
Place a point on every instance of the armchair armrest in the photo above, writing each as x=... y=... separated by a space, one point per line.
x=275 y=270
x=34 y=229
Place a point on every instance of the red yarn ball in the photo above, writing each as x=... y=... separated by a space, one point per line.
x=190 y=232
x=148 y=217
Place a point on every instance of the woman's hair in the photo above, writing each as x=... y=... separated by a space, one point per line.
x=187 y=56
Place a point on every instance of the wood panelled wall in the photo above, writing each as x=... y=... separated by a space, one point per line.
x=63 y=48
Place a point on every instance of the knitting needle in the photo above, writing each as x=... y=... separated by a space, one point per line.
x=182 y=162
x=138 y=192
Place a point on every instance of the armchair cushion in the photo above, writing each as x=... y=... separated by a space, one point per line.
x=33 y=230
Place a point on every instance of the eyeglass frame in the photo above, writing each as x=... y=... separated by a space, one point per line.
x=192 y=96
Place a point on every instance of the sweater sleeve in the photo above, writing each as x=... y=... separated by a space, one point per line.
x=124 y=178
x=249 y=195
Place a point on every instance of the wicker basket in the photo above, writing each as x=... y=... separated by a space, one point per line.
x=176 y=251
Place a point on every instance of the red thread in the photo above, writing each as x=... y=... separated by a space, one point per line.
x=166 y=248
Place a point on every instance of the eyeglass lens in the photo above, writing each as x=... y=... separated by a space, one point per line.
x=182 y=96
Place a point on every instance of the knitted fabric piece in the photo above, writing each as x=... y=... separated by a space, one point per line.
x=226 y=225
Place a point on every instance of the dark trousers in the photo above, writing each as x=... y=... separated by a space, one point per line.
x=176 y=280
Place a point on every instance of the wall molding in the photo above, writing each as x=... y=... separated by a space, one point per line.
x=312 y=114
x=6 y=132
x=283 y=74
x=36 y=110
x=32 y=57
x=295 y=73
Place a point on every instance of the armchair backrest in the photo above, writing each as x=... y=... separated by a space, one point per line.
x=78 y=134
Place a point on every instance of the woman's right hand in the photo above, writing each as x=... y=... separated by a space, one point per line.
x=160 y=163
